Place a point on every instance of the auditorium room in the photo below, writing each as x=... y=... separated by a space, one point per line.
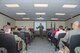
x=39 y=26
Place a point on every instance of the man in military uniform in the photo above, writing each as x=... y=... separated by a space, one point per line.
x=40 y=27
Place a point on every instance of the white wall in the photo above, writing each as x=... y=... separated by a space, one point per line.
x=58 y=23
x=48 y=24
x=4 y=20
x=30 y=24
x=68 y=23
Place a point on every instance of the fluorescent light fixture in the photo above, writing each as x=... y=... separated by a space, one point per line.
x=40 y=18
x=11 y=5
x=54 y=18
x=40 y=5
x=40 y=13
x=25 y=18
x=69 y=6
x=60 y=13
x=21 y=13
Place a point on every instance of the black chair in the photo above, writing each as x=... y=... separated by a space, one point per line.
x=61 y=35
x=8 y=41
x=28 y=38
x=56 y=41
x=26 y=34
x=20 y=34
x=74 y=42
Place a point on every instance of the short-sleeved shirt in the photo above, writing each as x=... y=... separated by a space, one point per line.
x=57 y=33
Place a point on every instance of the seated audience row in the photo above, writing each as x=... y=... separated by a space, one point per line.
x=69 y=35
x=61 y=38
x=18 y=38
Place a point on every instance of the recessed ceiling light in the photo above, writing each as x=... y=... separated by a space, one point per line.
x=40 y=13
x=21 y=13
x=40 y=5
x=25 y=18
x=54 y=18
x=69 y=6
x=40 y=18
x=11 y=5
x=60 y=13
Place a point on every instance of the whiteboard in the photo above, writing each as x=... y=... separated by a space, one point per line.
x=37 y=23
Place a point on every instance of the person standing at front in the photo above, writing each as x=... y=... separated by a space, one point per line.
x=40 y=27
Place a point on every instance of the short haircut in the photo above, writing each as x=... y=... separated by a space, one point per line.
x=8 y=23
x=61 y=27
x=77 y=23
x=6 y=27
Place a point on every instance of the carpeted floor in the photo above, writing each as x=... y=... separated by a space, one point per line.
x=40 y=46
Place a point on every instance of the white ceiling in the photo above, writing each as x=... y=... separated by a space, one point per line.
x=27 y=6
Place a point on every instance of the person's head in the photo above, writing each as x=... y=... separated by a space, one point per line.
x=60 y=27
x=65 y=29
x=8 y=23
x=40 y=24
x=15 y=28
x=7 y=29
x=26 y=28
x=22 y=27
x=76 y=25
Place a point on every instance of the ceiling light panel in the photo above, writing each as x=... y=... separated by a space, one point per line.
x=40 y=13
x=69 y=6
x=21 y=13
x=25 y=18
x=54 y=18
x=60 y=13
x=11 y=5
x=40 y=18
x=40 y=5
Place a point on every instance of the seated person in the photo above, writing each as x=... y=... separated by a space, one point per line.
x=60 y=31
x=7 y=29
x=15 y=29
x=76 y=30
x=23 y=43
x=67 y=29
x=49 y=33
x=27 y=30
x=54 y=32
x=53 y=40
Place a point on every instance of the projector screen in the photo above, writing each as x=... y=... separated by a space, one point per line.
x=37 y=23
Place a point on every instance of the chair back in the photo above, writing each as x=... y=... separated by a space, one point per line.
x=74 y=42
x=20 y=34
x=61 y=35
x=8 y=42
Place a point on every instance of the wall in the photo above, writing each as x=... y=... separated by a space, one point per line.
x=48 y=24
x=4 y=20
x=58 y=23
x=30 y=24
x=68 y=22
